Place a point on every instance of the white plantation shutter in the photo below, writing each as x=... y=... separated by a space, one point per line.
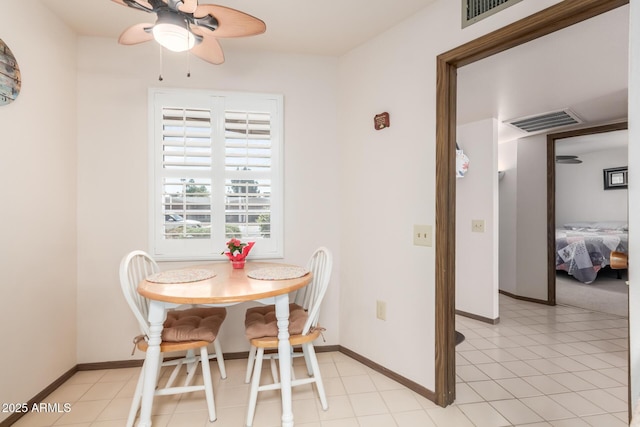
x=217 y=173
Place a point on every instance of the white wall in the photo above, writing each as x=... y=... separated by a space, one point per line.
x=38 y=168
x=531 y=219
x=580 y=193
x=508 y=199
x=477 y=199
x=113 y=81
x=388 y=181
x=523 y=217
x=369 y=187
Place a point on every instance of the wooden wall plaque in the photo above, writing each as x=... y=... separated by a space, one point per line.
x=381 y=121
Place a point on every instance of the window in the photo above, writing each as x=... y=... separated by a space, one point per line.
x=216 y=165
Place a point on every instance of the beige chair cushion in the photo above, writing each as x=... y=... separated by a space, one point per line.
x=193 y=324
x=261 y=321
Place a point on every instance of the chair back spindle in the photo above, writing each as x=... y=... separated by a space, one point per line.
x=320 y=265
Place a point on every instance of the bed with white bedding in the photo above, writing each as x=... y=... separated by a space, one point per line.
x=584 y=248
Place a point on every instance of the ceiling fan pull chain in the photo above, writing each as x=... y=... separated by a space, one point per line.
x=160 y=78
x=188 y=63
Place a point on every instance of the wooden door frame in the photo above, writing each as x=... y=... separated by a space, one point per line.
x=547 y=21
x=551 y=195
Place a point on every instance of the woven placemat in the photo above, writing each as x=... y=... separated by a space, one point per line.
x=277 y=273
x=186 y=275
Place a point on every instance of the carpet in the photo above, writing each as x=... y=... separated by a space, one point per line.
x=606 y=294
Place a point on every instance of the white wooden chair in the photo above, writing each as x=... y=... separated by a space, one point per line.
x=262 y=331
x=135 y=267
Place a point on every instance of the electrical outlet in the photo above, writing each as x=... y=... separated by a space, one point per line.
x=477 y=225
x=422 y=235
x=381 y=310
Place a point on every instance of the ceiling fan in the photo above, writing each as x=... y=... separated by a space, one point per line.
x=185 y=25
x=568 y=160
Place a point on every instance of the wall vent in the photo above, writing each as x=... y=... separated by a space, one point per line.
x=476 y=10
x=545 y=121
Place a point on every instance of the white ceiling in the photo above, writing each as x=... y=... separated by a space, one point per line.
x=577 y=145
x=583 y=67
x=327 y=27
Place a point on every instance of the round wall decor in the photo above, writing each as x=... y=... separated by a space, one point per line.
x=10 y=80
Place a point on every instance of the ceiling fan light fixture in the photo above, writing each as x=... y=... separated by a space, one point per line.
x=172 y=32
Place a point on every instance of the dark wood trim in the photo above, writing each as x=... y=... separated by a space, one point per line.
x=39 y=397
x=118 y=364
x=445 y=235
x=479 y=318
x=551 y=195
x=547 y=21
x=527 y=299
x=422 y=391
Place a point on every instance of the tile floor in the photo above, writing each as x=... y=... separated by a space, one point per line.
x=540 y=366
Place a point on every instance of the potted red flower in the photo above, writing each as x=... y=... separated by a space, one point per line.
x=238 y=251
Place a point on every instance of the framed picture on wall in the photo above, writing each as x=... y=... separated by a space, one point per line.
x=615 y=178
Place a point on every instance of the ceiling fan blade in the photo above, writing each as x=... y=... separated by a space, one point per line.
x=188 y=6
x=208 y=49
x=231 y=22
x=136 y=34
x=141 y=5
x=569 y=161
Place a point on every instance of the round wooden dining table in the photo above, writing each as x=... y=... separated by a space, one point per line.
x=225 y=286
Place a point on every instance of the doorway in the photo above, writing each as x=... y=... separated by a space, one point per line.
x=545 y=22
x=613 y=296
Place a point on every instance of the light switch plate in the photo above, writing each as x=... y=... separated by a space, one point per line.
x=422 y=235
x=477 y=225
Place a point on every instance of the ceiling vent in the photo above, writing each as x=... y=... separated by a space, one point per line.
x=545 y=121
x=475 y=10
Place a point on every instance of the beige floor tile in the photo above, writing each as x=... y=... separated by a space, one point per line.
x=116 y=409
x=471 y=373
x=490 y=390
x=368 y=404
x=483 y=415
x=547 y=408
x=572 y=381
x=519 y=388
x=502 y=371
x=83 y=412
x=384 y=420
x=577 y=404
x=413 y=419
x=546 y=385
x=605 y=420
x=84 y=377
x=604 y=400
x=465 y=394
x=102 y=391
x=451 y=416
x=516 y=412
x=189 y=419
x=34 y=419
x=400 y=400
x=69 y=392
x=496 y=371
x=385 y=383
x=339 y=407
x=358 y=384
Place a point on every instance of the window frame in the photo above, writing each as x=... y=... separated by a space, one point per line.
x=218 y=102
